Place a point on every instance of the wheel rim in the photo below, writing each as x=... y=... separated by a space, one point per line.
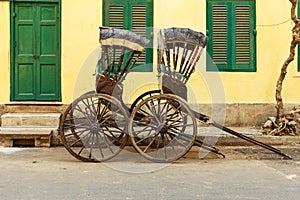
x=167 y=130
x=144 y=96
x=93 y=127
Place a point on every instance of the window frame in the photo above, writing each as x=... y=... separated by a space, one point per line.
x=231 y=65
x=127 y=14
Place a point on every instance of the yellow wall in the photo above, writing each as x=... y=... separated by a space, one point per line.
x=167 y=14
x=273 y=39
x=80 y=37
x=4 y=52
x=80 y=41
x=79 y=59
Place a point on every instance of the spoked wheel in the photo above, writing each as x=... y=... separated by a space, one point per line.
x=93 y=128
x=140 y=99
x=167 y=129
x=144 y=96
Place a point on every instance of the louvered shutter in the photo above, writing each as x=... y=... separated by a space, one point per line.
x=244 y=44
x=141 y=23
x=115 y=13
x=219 y=33
x=116 y=17
x=231 y=28
x=139 y=20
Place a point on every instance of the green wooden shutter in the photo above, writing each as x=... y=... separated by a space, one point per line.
x=135 y=16
x=139 y=24
x=244 y=41
x=142 y=23
x=116 y=17
x=231 y=28
x=116 y=14
x=219 y=33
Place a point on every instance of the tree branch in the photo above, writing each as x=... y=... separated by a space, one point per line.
x=294 y=43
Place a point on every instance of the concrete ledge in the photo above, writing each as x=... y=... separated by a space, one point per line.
x=230 y=140
x=27 y=130
x=32 y=141
x=33 y=107
x=30 y=119
x=37 y=137
x=240 y=114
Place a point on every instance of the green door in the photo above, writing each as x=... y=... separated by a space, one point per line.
x=36 y=52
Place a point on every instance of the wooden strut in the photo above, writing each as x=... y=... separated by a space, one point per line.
x=208 y=147
x=253 y=141
x=204 y=118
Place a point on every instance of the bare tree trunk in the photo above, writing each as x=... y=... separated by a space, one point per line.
x=295 y=40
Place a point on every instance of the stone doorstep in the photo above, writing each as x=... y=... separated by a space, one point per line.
x=34 y=107
x=40 y=136
x=37 y=141
x=32 y=114
x=30 y=119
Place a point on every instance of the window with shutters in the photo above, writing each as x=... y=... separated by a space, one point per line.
x=136 y=16
x=231 y=31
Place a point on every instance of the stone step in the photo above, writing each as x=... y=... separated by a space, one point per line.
x=26 y=136
x=30 y=119
x=34 y=107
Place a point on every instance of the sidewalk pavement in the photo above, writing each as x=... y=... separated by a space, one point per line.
x=223 y=138
x=229 y=144
x=236 y=148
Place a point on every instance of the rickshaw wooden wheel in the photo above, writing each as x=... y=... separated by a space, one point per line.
x=167 y=129
x=142 y=97
x=93 y=128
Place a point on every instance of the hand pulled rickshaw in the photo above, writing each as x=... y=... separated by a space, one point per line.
x=159 y=124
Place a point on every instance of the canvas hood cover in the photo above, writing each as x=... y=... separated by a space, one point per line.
x=184 y=34
x=114 y=36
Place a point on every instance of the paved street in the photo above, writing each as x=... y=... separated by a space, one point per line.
x=54 y=174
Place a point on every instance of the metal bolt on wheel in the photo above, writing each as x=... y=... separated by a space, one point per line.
x=162 y=128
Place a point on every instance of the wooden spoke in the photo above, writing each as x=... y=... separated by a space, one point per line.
x=93 y=127
x=170 y=120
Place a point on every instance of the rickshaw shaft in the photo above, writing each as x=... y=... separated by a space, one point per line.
x=251 y=140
